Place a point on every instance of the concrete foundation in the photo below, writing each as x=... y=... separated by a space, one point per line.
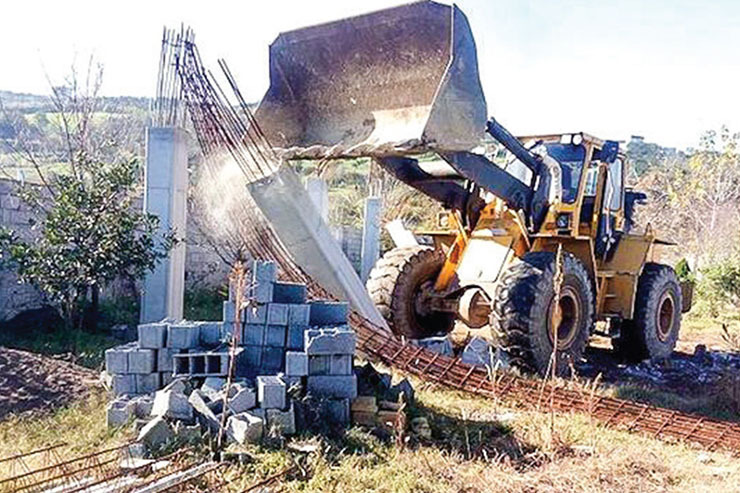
x=370 y=236
x=165 y=196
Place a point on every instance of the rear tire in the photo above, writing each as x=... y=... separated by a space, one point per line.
x=653 y=332
x=523 y=309
x=395 y=285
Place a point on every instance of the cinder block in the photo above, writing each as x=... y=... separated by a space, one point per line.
x=142 y=361
x=212 y=386
x=299 y=315
x=209 y=333
x=172 y=404
x=183 y=336
x=295 y=340
x=166 y=378
x=296 y=364
x=227 y=330
x=254 y=335
x=245 y=428
x=146 y=384
x=319 y=365
x=338 y=387
x=198 y=400
x=165 y=359
x=277 y=314
x=272 y=359
x=271 y=392
x=275 y=336
x=264 y=271
x=119 y=412
x=228 y=311
x=330 y=341
x=156 y=433
x=253 y=357
x=152 y=336
x=340 y=364
x=244 y=399
x=143 y=406
x=206 y=363
x=116 y=359
x=256 y=314
x=286 y=292
x=328 y=313
x=123 y=384
x=281 y=422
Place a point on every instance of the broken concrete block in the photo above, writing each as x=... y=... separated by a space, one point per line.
x=271 y=392
x=403 y=387
x=277 y=314
x=275 y=336
x=183 y=336
x=328 y=313
x=152 y=335
x=136 y=451
x=479 y=352
x=116 y=359
x=339 y=387
x=119 y=412
x=256 y=314
x=143 y=406
x=187 y=433
x=212 y=387
x=330 y=341
x=299 y=315
x=172 y=404
x=179 y=384
x=296 y=364
x=438 y=344
x=141 y=360
x=245 y=428
x=123 y=384
x=209 y=333
x=156 y=433
x=281 y=422
x=146 y=384
x=295 y=339
x=288 y=292
x=254 y=335
x=244 y=399
x=199 y=402
x=272 y=359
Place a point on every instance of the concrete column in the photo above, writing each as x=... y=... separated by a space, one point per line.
x=319 y=193
x=370 y=236
x=166 y=182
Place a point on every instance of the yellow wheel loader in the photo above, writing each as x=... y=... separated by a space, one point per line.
x=401 y=86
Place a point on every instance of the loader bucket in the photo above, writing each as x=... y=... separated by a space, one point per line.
x=397 y=81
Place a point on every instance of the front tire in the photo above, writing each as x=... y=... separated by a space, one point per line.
x=524 y=307
x=397 y=285
x=653 y=332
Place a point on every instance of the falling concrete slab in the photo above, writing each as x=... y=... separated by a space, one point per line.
x=288 y=207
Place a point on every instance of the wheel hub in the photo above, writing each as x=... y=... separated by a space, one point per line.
x=665 y=314
x=565 y=321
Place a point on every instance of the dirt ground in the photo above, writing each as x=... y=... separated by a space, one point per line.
x=31 y=382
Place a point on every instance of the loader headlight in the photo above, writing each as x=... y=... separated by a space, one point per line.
x=443 y=220
x=577 y=139
x=562 y=221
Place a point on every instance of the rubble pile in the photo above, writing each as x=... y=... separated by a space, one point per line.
x=293 y=365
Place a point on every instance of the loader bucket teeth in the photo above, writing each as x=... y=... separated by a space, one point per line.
x=400 y=80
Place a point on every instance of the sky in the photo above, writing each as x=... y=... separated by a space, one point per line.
x=664 y=69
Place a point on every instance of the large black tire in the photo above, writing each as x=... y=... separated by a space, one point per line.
x=653 y=332
x=523 y=309
x=395 y=284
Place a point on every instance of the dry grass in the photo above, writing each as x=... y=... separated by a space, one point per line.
x=477 y=446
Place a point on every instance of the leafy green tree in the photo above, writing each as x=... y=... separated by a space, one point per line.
x=89 y=230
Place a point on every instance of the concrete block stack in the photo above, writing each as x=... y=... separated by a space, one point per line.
x=290 y=353
x=149 y=363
